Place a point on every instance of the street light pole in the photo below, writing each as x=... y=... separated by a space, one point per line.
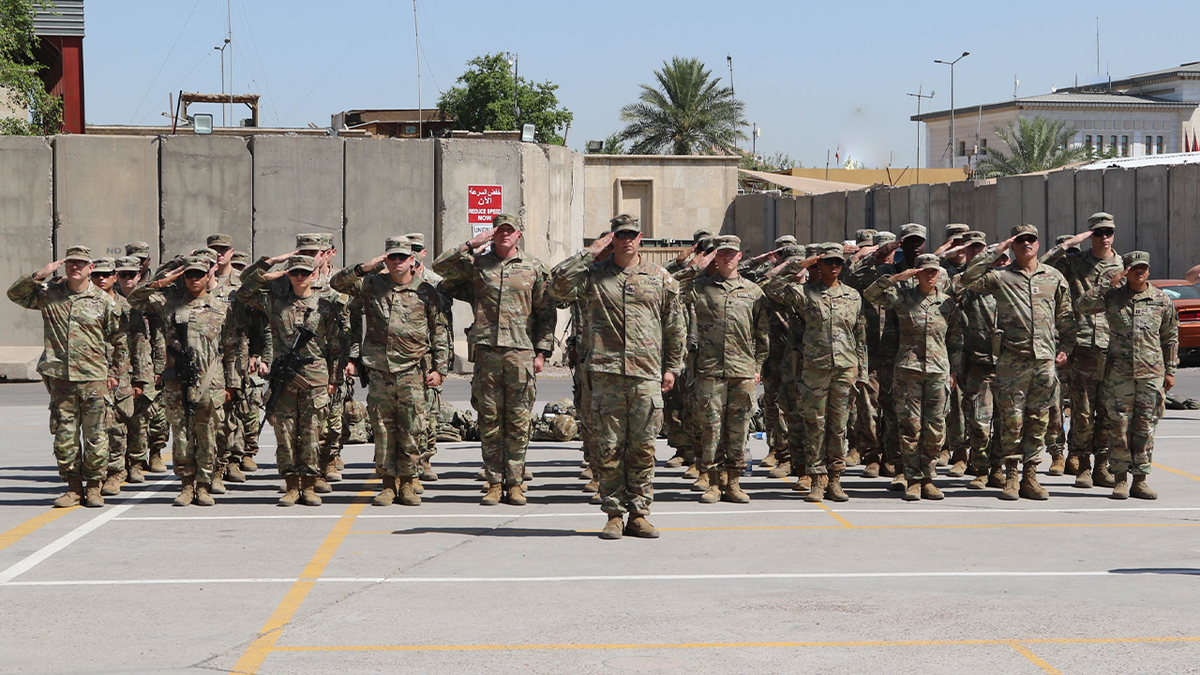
x=920 y=95
x=951 y=64
x=512 y=61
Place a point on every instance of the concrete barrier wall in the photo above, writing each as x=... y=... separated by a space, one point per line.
x=26 y=227
x=105 y=192
x=389 y=187
x=298 y=184
x=205 y=186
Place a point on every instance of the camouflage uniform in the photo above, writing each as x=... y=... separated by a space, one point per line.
x=1143 y=348
x=978 y=381
x=84 y=346
x=514 y=319
x=119 y=400
x=637 y=333
x=149 y=430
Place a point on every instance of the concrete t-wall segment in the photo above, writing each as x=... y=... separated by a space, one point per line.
x=1152 y=215
x=829 y=217
x=26 y=226
x=1060 y=204
x=1183 y=202
x=389 y=185
x=297 y=188
x=1120 y=199
x=206 y=186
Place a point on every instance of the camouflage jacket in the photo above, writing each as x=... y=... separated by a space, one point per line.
x=287 y=312
x=886 y=325
x=977 y=316
x=140 y=354
x=731 y=326
x=82 y=334
x=404 y=323
x=513 y=307
x=125 y=368
x=210 y=332
x=634 y=319
x=1143 y=330
x=930 y=337
x=859 y=277
x=1033 y=310
x=1083 y=272
x=834 y=326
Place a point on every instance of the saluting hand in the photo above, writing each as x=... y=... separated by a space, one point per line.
x=375 y=263
x=600 y=244
x=481 y=238
x=864 y=252
x=1119 y=277
x=48 y=270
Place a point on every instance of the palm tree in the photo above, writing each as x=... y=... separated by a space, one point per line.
x=688 y=113
x=1035 y=145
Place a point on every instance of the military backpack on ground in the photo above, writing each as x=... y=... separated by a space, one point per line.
x=356 y=426
x=455 y=425
x=557 y=423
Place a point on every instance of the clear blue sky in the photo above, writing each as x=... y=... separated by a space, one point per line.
x=814 y=77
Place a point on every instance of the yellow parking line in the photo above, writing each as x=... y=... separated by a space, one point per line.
x=1037 y=660
x=1177 y=472
x=32 y=525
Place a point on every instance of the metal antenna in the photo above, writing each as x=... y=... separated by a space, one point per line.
x=920 y=95
x=420 y=112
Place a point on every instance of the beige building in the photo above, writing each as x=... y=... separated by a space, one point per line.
x=672 y=194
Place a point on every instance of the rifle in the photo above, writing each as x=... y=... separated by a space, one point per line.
x=186 y=369
x=285 y=367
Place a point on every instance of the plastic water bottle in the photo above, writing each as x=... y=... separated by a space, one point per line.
x=749 y=461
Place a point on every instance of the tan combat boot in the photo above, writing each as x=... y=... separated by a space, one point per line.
x=387 y=494
x=526 y=475
x=1058 y=463
x=188 y=493
x=816 y=491
x=234 y=474
x=112 y=483
x=853 y=458
x=899 y=483
x=929 y=490
x=958 y=464
x=1120 y=486
x=332 y=475
x=591 y=486
x=136 y=473
x=1083 y=477
x=979 y=482
x=944 y=457
x=769 y=461
x=1100 y=475
x=155 y=462
x=871 y=470
x=91 y=495
x=596 y=498
x=248 y=464
x=693 y=472
x=638 y=526
x=321 y=486
x=427 y=473
x=217 y=487
x=673 y=463
x=481 y=474
x=73 y=495
x=732 y=489
x=291 y=491
x=203 y=495
x=308 y=491
x=913 y=493
x=516 y=495
x=1030 y=488
x=702 y=483
x=783 y=469
x=1011 y=480
x=996 y=477
x=802 y=484
x=1071 y=468
x=1140 y=490
x=341 y=466
x=834 y=491
x=613 y=529
x=713 y=494
x=493 y=495
x=586 y=474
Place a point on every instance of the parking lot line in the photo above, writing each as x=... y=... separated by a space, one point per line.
x=1037 y=660
x=1176 y=471
x=32 y=525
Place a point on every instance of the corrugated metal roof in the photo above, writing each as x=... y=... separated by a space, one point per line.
x=65 y=17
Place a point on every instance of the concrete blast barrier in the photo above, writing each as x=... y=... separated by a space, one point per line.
x=105 y=192
x=1089 y=197
x=1033 y=202
x=918 y=206
x=804 y=219
x=750 y=221
x=901 y=207
x=829 y=217
x=205 y=187
x=389 y=187
x=1120 y=199
x=26 y=224
x=1183 y=185
x=858 y=212
x=1153 y=233
x=1060 y=205
x=297 y=189
x=882 y=212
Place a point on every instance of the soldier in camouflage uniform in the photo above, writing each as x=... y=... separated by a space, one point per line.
x=150 y=429
x=1033 y=315
x=952 y=257
x=512 y=336
x=861 y=428
x=404 y=323
x=119 y=400
x=636 y=350
x=729 y=323
x=869 y=429
x=1084 y=270
x=433 y=396
x=678 y=407
x=691 y=414
x=141 y=372
x=835 y=360
x=927 y=364
x=1143 y=351
x=777 y=403
x=300 y=410
x=85 y=351
x=254 y=332
x=203 y=317
x=230 y=445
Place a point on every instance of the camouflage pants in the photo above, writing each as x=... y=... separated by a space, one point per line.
x=148 y=428
x=78 y=414
x=727 y=404
x=956 y=424
x=1085 y=382
x=433 y=399
x=330 y=442
x=793 y=423
x=864 y=428
x=627 y=413
x=921 y=402
x=823 y=399
x=396 y=404
x=1056 y=435
x=1133 y=408
x=889 y=433
x=252 y=419
x=120 y=411
x=298 y=420
x=1025 y=390
x=674 y=418
x=503 y=389
x=583 y=409
x=776 y=430
x=194 y=443
x=978 y=384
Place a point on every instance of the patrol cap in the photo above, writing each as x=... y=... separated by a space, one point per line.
x=1135 y=258
x=792 y=251
x=208 y=253
x=129 y=263
x=927 y=261
x=301 y=262
x=701 y=234
x=240 y=258
x=912 y=230
x=1101 y=219
x=417 y=241
x=308 y=242
x=138 y=249
x=397 y=245
x=219 y=240
x=326 y=241
x=1024 y=229
x=104 y=265
x=82 y=253
x=706 y=244
x=1061 y=239
x=831 y=251
x=625 y=223
x=974 y=237
x=882 y=238
x=197 y=262
x=865 y=237
x=507 y=219
x=785 y=240
x=956 y=230
x=728 y=242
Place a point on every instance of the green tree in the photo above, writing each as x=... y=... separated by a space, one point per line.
x=484 y=102
x=688 y=113
x=1034 y=145
x=20 y=86
x=779 y=161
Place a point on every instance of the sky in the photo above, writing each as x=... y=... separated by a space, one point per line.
x=816 y=78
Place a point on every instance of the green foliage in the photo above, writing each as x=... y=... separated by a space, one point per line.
x=779 y=161
x=484 y=102
x=1034 y=145
x=20 y=86
x=688 y=113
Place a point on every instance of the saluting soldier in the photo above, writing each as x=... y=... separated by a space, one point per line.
x=120 y=399
x=150 y=416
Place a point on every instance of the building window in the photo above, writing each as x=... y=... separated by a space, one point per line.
x=1112 y=143
x=1149 y=145
x=1100 y=143
x=1087 y=142
x=410 y=129
x=962 y=148
x=1124 y=146
x=1159 y=145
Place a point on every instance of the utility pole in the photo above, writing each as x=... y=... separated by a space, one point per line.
x=920 y=95
x=513 y=60
x=417 y=39
x=952 y=138
x=729 y=59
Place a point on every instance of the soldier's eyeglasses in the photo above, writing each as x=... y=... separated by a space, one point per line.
x=220 y=249
x=1103 y=232
x=1026 y=239
x=626 y=234
x=194 y=275
x=832 y=262
x=128 y=275
x=78 y=263
x=398 y=257
x=102 y=275
x=299 y=274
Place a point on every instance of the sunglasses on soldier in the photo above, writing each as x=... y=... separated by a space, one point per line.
x=1103 y=232
x=194 y=274
x=102 y=275
x=1025 y=239
x=128 y=275
x=299 y=274
x=398 y=257
x=626 y=234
